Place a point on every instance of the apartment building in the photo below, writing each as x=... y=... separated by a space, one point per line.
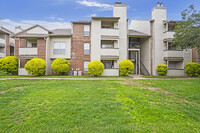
x=6 y=42
x=110 y=40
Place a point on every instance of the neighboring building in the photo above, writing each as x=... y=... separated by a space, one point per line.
x=39 y=42
x=108 y=39
x=6 y=42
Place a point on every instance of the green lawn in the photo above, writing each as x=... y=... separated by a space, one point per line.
x=152 y=105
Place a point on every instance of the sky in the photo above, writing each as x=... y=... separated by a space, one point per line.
x=54 y=14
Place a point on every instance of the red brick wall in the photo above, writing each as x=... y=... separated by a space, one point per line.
x=7 y=45
x=41 y=44
x=22 y=62
x=78 y=40
x=16 y=53
x=195 y=55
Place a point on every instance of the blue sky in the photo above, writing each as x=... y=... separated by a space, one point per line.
x=59 y=13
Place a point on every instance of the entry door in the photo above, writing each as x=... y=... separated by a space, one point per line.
x=133 y=56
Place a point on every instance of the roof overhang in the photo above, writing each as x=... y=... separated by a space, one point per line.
x=106 y=57
x=173 y=58
x=107 y=18
x=26 y=36
x=134 y=33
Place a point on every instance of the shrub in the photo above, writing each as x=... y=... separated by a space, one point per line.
x=192 y=69
x=126 y=67
x=95 y=68
x=60 y=66
x=162 y=69
x=36 y=66
x=9 y=64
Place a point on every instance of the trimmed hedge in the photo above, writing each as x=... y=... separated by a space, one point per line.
x=162 y=69
x=36 y=66
x=60 y=66
x=95 y=68
x=126 y=67
x=9 y=64
x=192 y=69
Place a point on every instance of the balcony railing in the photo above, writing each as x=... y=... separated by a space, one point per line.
x=168 y=53
x=110 y=32
x=168 y=34
x=2 y=54
x=28 y=51
x=110 y=52
x=2 y=41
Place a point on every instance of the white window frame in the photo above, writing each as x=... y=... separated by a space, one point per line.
x=86 y=48
x=85 y=66
x=86 y=30
x=60 y=48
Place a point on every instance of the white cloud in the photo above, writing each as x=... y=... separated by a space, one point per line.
x=55 y=18
x=96 y=4
x=10 y=24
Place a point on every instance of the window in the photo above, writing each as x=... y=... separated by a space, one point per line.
x=107 y=44
x=86 y=48
x=108 y=64
x=59 y=48
x=172 y=47
x=86 y=30
x=86 y=66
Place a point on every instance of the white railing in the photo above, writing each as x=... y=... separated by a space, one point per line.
x=3 y=41
x=109 y=32
x=2 y=54
x=27 y=51
x=12 y=40
x=110 y=52
x=173 y=53
x=110 y=72
x=168 y=34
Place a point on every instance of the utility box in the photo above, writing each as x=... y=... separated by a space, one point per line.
x=75 y=73
x=79 y=73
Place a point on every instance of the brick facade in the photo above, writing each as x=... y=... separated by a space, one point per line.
x=195 y=56
x=7 y=45
x=41 y=45
x=77 y=54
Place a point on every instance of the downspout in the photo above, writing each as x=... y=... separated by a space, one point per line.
x=45 y=38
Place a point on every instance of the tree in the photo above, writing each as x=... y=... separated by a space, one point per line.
x=126 y=67
x=9 y=64
x=36 y=66
x=187 y=31
x=95 y=68
x=60 y=66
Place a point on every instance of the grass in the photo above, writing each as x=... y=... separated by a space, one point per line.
x=16 y=76
x=167 y=77
x=153 y=105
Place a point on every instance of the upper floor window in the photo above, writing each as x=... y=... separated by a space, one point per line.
x=171 y=26
x=86 y=30
x=107 y=24
x=86 y=48
x=107 y=44
x=59 y=48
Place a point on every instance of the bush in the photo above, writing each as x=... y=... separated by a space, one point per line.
x=126 y=67
x=192 y=69
x=36 y=66
x=95 y=68
x=60 y=66
x=162 y=69
x=9 y=64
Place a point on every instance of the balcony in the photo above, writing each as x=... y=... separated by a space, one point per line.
x=110 y=52
x=12 y=41
x=28 y=51
x=110 y=31
x=2 y=41
x=168 y=35
x=2 y=54
x=178 y=54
